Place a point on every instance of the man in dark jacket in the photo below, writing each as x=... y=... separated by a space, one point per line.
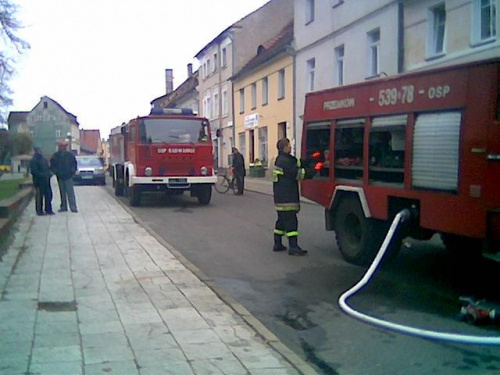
x=39 y=167
x=63 y=164
x=286 y=174
x=239 y=170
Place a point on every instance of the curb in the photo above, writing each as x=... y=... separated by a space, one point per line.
x=11 y=208
x=274 y=342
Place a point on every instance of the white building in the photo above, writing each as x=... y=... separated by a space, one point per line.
x=440 y=33
x=342 y=42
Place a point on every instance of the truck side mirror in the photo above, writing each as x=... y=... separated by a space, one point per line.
x=218 y=133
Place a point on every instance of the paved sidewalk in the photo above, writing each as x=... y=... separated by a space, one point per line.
x=96 y=292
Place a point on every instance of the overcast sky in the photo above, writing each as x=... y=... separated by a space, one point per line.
x=105 y=60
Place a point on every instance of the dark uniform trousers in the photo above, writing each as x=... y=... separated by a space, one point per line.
x=287 y=224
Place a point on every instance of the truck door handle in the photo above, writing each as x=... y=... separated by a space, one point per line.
x=494 y=157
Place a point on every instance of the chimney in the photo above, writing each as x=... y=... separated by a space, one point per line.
x=169 y=80
x=190 y=70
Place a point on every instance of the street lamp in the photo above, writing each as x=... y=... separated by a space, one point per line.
x=69 y=140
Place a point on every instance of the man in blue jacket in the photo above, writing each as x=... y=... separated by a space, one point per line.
x=286 y=174
x=63 y=164
x=39 y=167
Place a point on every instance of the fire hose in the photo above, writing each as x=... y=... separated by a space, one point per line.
x=401 y=217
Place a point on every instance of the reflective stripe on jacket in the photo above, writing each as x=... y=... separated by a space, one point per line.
x=286 y=174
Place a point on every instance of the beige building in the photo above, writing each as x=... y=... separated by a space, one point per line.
x=225 y=55
x=263 y=98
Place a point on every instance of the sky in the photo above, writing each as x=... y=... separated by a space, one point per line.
x=104 y=61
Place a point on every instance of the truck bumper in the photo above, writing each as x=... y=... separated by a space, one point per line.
x=174 y=182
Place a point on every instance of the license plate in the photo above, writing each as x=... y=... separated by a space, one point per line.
x=87 y=177
x=177 y=180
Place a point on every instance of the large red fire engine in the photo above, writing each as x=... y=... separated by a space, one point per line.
x=428 y=141
x=169 y=150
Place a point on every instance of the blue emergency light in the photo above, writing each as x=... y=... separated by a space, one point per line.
x=171 y=111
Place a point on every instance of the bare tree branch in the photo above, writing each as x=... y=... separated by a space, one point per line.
x=9 y=26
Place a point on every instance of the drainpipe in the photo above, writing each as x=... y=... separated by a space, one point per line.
x=401 y=36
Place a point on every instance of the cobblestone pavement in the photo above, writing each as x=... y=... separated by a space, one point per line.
x=96 y=292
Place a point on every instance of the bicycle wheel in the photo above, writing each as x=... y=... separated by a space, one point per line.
x=234 y=185
x=222 y=184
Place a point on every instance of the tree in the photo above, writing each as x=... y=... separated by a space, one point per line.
x=12 y=45
x=21 y=144
x=5 y=145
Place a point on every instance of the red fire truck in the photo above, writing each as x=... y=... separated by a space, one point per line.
x=169 y=150
x=428 y=141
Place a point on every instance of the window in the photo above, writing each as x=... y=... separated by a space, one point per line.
x=207 y=103
x=58 y=133
x=373 y=53
x=216 y=60
x=224 y=101
x=349 y=150
x=339 y=65
x=263 y=146
x=209 y=68
x=436 y=31
x=265 y=91
x=242 y=143
x=224 y=58
x=281 y=84
x=216 y=104
x=309 y=11
x=387 y=150
x=318 y=148
x=484 y=21
x=242 y=100
x=45 y=105
x=254 y=95
x=311 y=65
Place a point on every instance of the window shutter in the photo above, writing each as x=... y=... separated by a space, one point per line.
x=436 y=150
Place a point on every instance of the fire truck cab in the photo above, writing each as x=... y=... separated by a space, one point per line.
x=169 y=150
x=428 y=141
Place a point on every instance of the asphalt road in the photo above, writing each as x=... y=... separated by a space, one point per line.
x=230 y=240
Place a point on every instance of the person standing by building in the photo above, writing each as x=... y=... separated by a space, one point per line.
x=63 y=164
x=239 y=170
x=286 y=174
x=40 y=170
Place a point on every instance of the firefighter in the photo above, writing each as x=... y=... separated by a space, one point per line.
x=286 y=174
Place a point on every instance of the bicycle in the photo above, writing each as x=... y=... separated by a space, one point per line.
x=225 y=182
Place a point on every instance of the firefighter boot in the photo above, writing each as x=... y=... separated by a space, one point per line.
x=278 y=245
x=294 y=247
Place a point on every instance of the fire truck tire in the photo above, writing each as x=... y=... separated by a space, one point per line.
x=205 y=194
x=118 y=188
x=134 y=196
x=358 y=238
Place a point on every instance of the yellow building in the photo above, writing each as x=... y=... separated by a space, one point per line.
x=263 y=100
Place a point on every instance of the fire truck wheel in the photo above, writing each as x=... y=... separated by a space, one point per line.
x=205 y=194
x=118 y=188
x=134 y=196
x=358 y=238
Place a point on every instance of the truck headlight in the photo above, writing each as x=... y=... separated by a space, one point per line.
x=204 y=171
x=148 y=171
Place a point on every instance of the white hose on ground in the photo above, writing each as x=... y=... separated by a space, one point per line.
x=435 y=335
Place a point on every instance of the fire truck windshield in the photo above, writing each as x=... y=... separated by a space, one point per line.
x=173 y=131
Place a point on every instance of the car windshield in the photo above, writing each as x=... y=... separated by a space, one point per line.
x=173 y=131
x=88 y=162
